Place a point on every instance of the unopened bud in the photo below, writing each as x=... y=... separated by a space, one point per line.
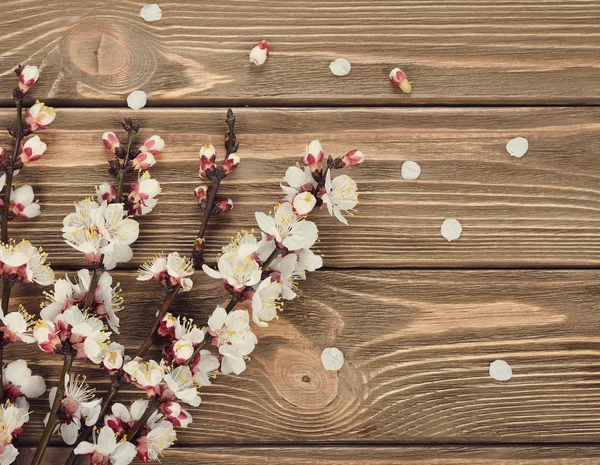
x=231 y=163
x=398 y=77
x=353 y=158
x=222 y=206
x=259 y=53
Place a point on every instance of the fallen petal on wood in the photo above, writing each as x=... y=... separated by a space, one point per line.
x=137 y=99
x=410 y=170
x=151 y=12
x=340 y=67
x=332 y=358
x=517 y=147
x=451 y=229
x=500 y=370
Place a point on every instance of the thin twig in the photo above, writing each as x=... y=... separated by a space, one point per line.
x=151 y=338
x=121 y=175
x=10 y=172
x=53 y=418
x=152 y=407
x=230 y=147
x=96 y=275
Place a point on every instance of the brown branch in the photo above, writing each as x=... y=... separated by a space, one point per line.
x=53 y=418
x=121 y=175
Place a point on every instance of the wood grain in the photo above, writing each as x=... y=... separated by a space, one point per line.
x=396 y=455
x=453 y=51
x=541 y=210
x=417 y=344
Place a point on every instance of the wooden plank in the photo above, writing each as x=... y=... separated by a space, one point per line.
x=417 y=344
x=453 y=51
x=540 y=210
x=398 y=455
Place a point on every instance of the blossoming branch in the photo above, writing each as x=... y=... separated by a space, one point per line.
x=20 y=262
x=80 y=319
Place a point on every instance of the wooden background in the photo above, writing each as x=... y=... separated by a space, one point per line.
x=418 y=319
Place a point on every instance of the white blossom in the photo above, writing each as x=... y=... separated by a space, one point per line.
x=341 y=194
x=232 y=335
x=288 y=229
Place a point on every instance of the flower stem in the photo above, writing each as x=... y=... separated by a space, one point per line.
x=230 y=147
x=121 y=175
x=151 y=338
x=152 y=407
x=53 y=418
x=96 y=275
x=9 y=171
x=271 y=257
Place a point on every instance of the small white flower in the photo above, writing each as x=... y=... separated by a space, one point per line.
x=304 y=203
x=238 y=267
x=206 y=368
x=39 y=116
x=181 y=382
x=78 y=404
x=25 y=263
x=101 y=229
x=265 y=302
x=114 y=356
x=146 y=374
x=232 y=335
x=115 y=453
x=341 y=194
x=159 y=438
x=298 y=180
x=170 y=271
x=16 y=325
x=19 y=374
x=287 y=229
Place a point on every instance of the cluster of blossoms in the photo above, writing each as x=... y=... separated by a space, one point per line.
x=22 y=202
x=101 y=231
x=141 y=198
x=20 y=263
x=259 y=272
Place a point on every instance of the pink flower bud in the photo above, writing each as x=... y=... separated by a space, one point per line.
x=313 y=156
x=353 y=158
x=39 y=116
x=153 y=145
x=222 y=206
x=231 y=162
x=304 y=203
x=28 y=76
x=259 y=53
x=208 y=155
x=398 y=77
x=143 y=161
x=32 y=150
x=111 y=141
x=201 y=196
x=106 y=192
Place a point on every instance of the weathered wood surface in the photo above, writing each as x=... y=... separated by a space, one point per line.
x=418 y=345
x=542 y=210
x=397 y=455
x=453 y=51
